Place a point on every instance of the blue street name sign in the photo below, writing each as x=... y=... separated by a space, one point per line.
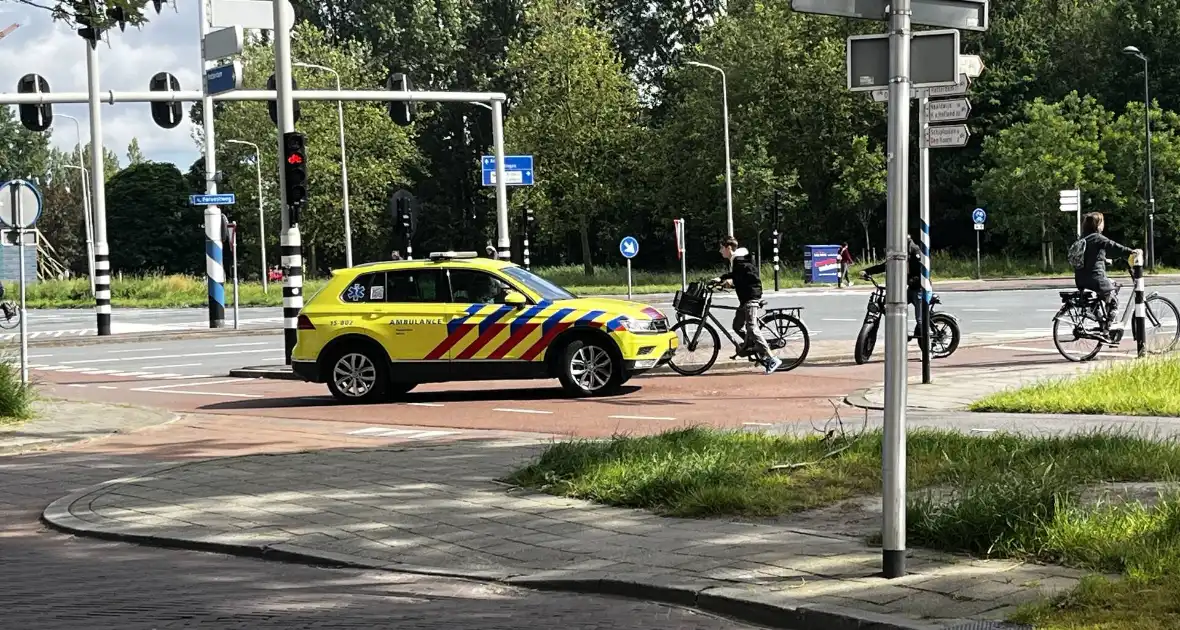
x=227 y=199
x=979 y=216
x=225 y=78
x=628 y=247
x=518 y=170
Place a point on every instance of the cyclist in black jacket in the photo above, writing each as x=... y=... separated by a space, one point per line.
x=913 y=280
x=747 y=283
x=1087 y=255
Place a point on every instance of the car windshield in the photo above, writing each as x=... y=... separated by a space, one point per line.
x=542 y=287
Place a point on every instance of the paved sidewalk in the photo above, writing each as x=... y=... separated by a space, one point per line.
x=437 y=510
x=952 y=390
x=63 y=422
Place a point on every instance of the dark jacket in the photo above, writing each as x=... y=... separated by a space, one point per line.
x=913 y=267
x=747 y=282
x=1090 y=263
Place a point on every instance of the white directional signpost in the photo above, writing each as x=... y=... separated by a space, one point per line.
x=951 y=110
x=628 y=247
x=901 y=15
x=20 y=207
x=1071 y=201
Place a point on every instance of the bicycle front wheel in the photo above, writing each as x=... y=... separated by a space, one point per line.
x=788 y=339
x=1161 y=330
x=698 y=348
x=9 y=323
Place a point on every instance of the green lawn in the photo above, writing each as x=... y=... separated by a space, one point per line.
x=1000 y=496
x=182 y=291
x=1145 y=387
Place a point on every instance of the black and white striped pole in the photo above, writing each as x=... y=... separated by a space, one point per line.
x=528 y=223
x=1139 y=320
x=774 y=235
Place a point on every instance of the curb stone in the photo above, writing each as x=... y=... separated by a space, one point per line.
x=738 y=603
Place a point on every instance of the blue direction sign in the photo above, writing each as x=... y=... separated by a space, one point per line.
x=518 y=170
x=225 y=78
x=979 y=216
x=629 y=247
x=227 y=199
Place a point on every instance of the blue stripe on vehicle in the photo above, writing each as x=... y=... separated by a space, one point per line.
x=493 y=318
x=589 y=318
x=526 y=317
x=455 y=323
x=555 y=319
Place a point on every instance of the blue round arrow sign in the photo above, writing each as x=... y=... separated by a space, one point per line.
x=629 y=247
x=979 y=216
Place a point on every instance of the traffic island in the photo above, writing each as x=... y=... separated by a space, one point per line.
x=439 y=510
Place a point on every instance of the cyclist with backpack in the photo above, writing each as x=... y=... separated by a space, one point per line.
x=913 y=280
x=747 y=283
x=1087 y=256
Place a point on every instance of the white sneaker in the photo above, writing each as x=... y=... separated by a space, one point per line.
x=772 y=364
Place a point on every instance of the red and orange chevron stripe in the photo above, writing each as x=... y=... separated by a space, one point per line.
x=482 y=324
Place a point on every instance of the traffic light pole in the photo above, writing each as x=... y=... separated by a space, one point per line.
x=504 y=239
x=214 y=265
x=98 y=201
x=291 y=247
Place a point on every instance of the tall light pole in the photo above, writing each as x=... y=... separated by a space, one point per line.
x=728 y=171
x=343 y=161
x=261 y=217
x=1149 y=209
x=85 y=203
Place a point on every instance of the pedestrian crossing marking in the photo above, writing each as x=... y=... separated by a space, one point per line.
x=409 y=434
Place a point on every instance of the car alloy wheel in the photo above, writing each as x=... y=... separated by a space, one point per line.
x=591 y=368
x=354 y=374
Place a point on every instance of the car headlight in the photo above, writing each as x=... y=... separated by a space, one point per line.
x=639 y=326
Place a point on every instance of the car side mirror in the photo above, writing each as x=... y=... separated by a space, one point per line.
x=515 y=298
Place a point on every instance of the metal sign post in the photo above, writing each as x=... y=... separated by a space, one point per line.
x=233 y=247
x=19 y=209
x=978 y=217
x=222 y=79
x=1071 y=201
x=629 y=247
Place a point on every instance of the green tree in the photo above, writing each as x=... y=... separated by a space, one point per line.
x=1059 y=147
x=135 y=11
x=152 y=226
x=62 y=222
x=23 y=153
x=862 y=184
x=380 y=155
x=1123 y=142
x=580 y=112
x=134 y=154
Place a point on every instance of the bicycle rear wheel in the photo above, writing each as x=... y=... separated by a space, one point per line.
x=788 y=339
x=698 y=349
x=1162 y=332
x=944 y=335
x=1071 y=333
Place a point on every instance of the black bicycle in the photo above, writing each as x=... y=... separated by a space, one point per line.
x=944 y=328
x=1084 y=319
x=700 y=344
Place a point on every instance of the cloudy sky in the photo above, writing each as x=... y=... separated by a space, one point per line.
x=168 y=43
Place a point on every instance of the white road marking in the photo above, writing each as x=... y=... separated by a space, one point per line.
x=757 y=424
x=534 y=411
x=641 y=417
x=107 y=387
x=76 y=385
x=425 y=404
x=235 y=345
x=986 y=321
x=164 y=376
x=175 y=365
x=135 y=350
x=177 y=391
x=409 y=434
x=980 y=310
x=167 y=356
x=1023 y=349
x=1048 y=310
x=222 y=382
x=839 y=319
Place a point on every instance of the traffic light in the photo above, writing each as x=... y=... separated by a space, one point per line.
x=35 y=117
x=87 y=15
x=402 y=112
x=528 y=216
x=403 y=214
x=295 y=172
x=166 y=114
x=273 y=107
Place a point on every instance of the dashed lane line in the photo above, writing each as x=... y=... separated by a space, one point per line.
x=168 y=356
x=642 y=417
x=409 y=434
x=532 y=411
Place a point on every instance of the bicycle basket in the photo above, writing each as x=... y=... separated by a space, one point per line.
x=692 y=301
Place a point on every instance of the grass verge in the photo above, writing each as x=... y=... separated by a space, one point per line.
x=1001 y=495
x=186 y=291
x=16 y=398
x=1148 y=387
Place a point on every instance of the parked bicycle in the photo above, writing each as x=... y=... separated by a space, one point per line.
x=944 y=328
x=700 y=345
x=1080 y=320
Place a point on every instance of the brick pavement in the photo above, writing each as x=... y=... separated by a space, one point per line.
x=437 y=510
x=53 y=581
x=60 y=422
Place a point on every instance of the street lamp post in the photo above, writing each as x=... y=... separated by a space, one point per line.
x=261 y=217
x=86 y=216
x=1149 y=210
x=85 y=203
x=343 y=161
x=728 y=172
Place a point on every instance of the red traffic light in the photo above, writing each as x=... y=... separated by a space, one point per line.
x=295 y=158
